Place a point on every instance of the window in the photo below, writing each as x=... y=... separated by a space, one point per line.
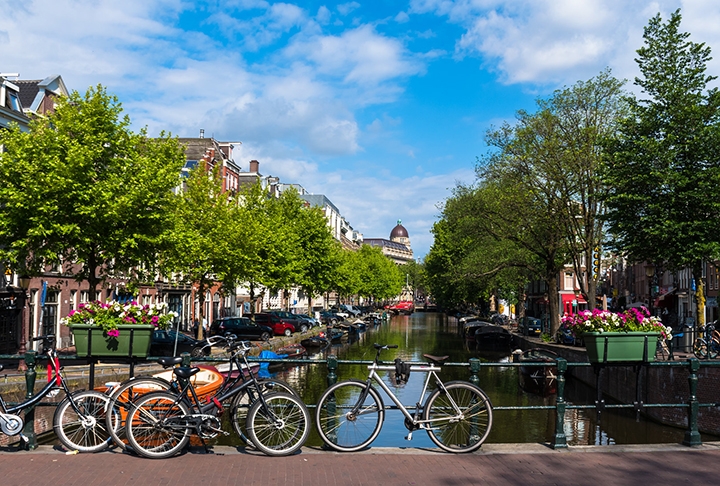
x=50 y=313
x=14 y=101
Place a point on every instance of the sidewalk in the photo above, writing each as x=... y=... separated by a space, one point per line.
x=496 y=464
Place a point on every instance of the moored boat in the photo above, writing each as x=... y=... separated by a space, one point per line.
x=539 y=380
x=492 y=335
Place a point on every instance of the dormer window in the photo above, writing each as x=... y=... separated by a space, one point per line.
x=14 y=101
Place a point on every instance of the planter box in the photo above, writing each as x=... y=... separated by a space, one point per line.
x=621 y=346
x=91 y=341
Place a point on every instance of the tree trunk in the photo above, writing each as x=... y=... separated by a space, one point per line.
x=552 y=283
x=201 y=304
x=699 y=296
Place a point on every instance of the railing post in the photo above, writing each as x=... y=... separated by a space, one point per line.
x=29 y=428
x=474 y=370
x=332 y=369
x=560 y=441
x=692 y=436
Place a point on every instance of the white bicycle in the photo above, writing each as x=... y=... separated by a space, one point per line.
x=457 y=415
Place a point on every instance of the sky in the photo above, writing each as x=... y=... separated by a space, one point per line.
x=381 y=106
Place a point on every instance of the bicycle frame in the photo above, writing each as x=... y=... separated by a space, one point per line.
x=431 y=371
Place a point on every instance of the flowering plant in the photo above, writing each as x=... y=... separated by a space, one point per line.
x=111 y=316
x=632 y=320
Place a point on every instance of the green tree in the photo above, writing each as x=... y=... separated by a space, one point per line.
x=200 y=247
x=81 y=188
x=663 y=170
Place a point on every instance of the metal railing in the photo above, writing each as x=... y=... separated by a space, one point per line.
x=691 y=404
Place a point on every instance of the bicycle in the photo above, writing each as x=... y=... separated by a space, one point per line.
x=457 y=415
x=80 y=418
x=663 y=348
x=705 y=347
x=159 y=424
x=126 y=393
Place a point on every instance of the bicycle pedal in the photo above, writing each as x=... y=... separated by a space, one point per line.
x=409 y=436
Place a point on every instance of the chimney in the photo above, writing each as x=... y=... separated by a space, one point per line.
x=202 y=133
x=254 y=166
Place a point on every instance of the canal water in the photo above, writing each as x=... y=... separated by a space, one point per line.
x=437 y=334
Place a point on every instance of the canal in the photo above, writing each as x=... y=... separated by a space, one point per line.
x=437 y=334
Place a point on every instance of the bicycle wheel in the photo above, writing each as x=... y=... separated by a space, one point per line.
x=156 y=426
x=712 y=349
x=460 y=418
x=700 y=348
x=341 y=430
x=281 y=428
x=242 y=402
x=80 y=421
x=662 y=352
x=123 y=397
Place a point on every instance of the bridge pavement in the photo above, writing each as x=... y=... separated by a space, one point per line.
x=495 y=464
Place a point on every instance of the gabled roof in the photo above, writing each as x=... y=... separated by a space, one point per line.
x=34 y=91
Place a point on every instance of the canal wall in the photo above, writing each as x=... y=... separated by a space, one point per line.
x=666 y=385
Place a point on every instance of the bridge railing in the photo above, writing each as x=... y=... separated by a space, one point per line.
x=689 y=403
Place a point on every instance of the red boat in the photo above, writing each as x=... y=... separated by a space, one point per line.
x=402 y=307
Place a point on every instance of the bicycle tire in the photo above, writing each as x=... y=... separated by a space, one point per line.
x=662 y=352
x=285 y=430
x=700 y=348
x=450 y=432
x=242 y=402
x=341 y=432
x=150 y=429
x=84 y=429
x=712 y=349
x=123 y=397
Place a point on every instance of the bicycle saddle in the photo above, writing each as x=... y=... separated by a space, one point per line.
x=436 y=359
x=186 y=373
x=168 y=361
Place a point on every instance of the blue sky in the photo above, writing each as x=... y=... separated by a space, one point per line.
x=381 y=106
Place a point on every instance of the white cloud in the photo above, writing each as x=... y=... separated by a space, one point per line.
x=561 y=41
x=346 y=8
x=359 y=56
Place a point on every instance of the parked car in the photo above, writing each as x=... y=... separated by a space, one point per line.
x=314 y=321
x=279 y=325
x=351 y=310
x=339 y=312
x=242 y=327
x=162 y=343
x=530 y=326
x=330 y=318
x=301 y=323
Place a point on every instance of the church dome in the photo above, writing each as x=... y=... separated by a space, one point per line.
x=398 y=231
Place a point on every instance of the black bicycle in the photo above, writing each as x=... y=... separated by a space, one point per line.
x=123 y=395
x=159 y=424
x=80 y=420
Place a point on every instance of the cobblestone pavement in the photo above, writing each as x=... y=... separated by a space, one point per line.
x=496 y=464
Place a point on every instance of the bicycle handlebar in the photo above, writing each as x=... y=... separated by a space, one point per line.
x=385 y=346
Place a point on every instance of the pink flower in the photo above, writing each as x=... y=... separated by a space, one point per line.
x=113 y=333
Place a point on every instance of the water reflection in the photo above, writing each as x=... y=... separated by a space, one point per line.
x=437 y=334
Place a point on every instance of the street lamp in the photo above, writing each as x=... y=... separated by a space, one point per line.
x=24 y=283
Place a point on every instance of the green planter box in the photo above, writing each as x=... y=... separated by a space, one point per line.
x=91 y=341
x=621 y=346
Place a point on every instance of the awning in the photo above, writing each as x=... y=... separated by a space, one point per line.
x=662 y=301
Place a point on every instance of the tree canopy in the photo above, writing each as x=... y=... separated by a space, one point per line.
x=81 y=188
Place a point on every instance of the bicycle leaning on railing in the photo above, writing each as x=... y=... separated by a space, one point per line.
x=457 y=415
x=707 y=346
x=79 y=420
x=124 y=394
x=159 y=424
